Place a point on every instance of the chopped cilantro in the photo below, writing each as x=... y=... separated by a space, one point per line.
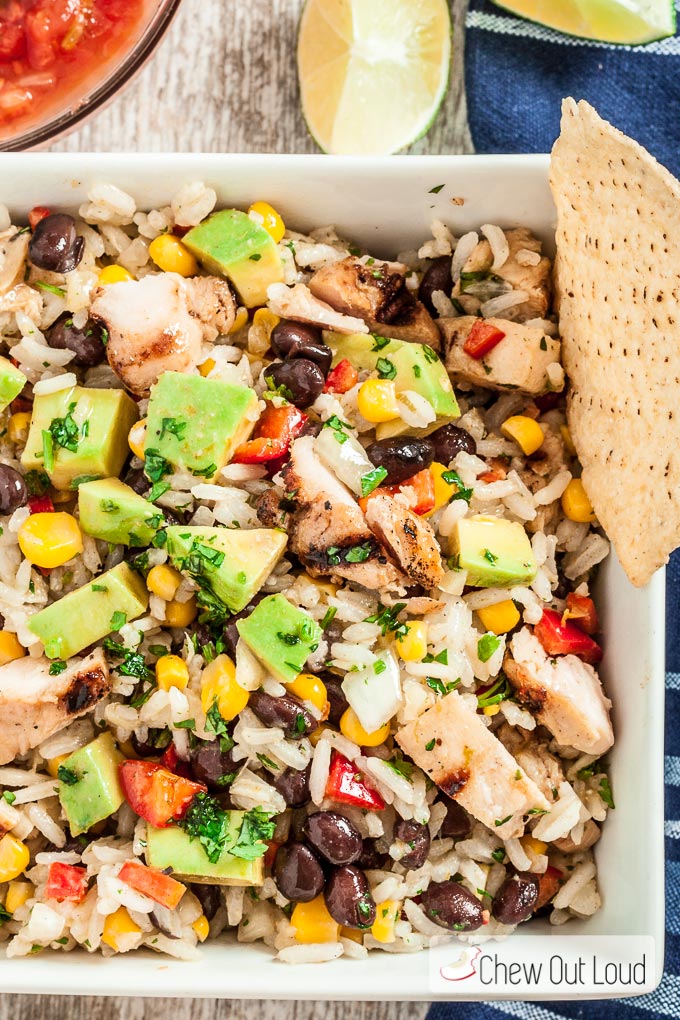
x=359 y=553
x=267 y=761
x=379 y=666
x=605 y=792
x=386 y=368
x=452 y=477
x=543 y=345
x=489 y=556
x=57 y=667
x=486 y=646
x=67 y=776
x=37 y=482
x=386 y=618
x=497 y=692
x=379 y=342
x=41 y=285
x=255 y=257
x=118 y=620
x=439 y=687
x=372 y=479
x=206 y=472
x=437 y=188
x=155 y=466
x=185 y=724
x=501 y=821
x=48 y=450
x=401 y=767
x=499 y=854
x=328 y=617
x=429 y=746
x=174 y=426
x=65 y=431
x=9 y=796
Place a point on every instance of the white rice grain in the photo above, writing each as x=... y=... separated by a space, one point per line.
x=318 y=775
x=56 y=383
x=498 y=243
x=464 y=249
x=581 y=874
x=496 y=306
x=553 y=490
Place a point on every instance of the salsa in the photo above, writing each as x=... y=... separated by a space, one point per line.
x=52 y=51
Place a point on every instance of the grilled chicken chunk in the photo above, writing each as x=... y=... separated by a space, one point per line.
x=377 y=294
x=34 y=705
x=13 y=253
x=471 y=766
x=564 y=694
x=327 y=525
x=525 y=269
x=159 y=323
x=519 y=361
x=408 y=537
x=300 y=304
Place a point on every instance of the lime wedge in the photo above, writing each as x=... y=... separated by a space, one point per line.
x=372 y=74
x=634 y=22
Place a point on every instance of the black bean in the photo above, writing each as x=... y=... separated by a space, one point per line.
x=301 y=380
x=515 y=900
x=401 y=457
x=456 y=824
x=336 y=697
x=449 y=441
x=348 y=898
x=334 y=837
x=13 y=491
x=287 y=712
x=230 y=634
x=436 y=277
x=137 y=481
x=293 y=785
x=85 y=342
x=297 y=873
x=301 y=340
x=209 y=896
x=371 y=858
x=418 y=838
x=156 y=742
x=450 y=905
x=55 y=245
x=209 y=763
x=311 y=428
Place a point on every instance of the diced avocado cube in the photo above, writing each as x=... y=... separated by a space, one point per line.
x=231 y=563
x=86 y=615
x=89 y=788
x=196 y=423
x=114 y=512
x=496 y=553
x=93 y=423
x=232 y=244
x=411 y=366
x=173 y=848
x=281 y=636
x=12 y=382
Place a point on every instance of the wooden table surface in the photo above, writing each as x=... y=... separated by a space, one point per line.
x=224 y=81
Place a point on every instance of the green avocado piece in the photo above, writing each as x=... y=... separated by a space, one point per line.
x=90 y=789
x=94 y=424
x=232 y=244
x=12 y=382
x=496 y=553
x=196 y=423
x=231 y=563
x=281 y=636
x=174 y=848
x=412 y=367
x=86 y=615
x=110 y=510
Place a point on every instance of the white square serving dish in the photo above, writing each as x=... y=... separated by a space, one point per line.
x=387 y=205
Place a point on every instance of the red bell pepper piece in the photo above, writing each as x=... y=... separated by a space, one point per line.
x=273 y=434
x=156 y=794
x=482 y=338
x=152 y=883
x=341 y=378
x=170 y=760
x=41 y=505
x=582 y=611
x=66 y=882
x=423 y=485
x=560 y=638
x=548 y=885
x=270 y=855
x=347 y=786
x=37 y=213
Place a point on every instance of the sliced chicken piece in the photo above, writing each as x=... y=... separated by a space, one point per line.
x=408 y=537
x=564 y=694
x=377 y=294
x=524 y=269
x=158 y=324
x=34 y=705
x=13 y=254
x=327 y=528
x=299 y=303
x=22 y=298
x=526 y=359
x=451 y=743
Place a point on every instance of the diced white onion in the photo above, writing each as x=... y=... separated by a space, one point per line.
x=374 y=696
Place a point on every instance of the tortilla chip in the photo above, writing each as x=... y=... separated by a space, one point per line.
x=617 y=275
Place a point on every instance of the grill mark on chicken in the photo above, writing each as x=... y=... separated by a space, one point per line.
x=86 y=690
x=454 y=783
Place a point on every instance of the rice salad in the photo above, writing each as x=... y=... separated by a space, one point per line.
x=295 y=565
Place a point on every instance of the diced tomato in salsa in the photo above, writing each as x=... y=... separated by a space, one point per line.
x=341 y=378
x=273 y=434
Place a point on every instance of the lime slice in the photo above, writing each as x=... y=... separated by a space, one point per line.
x=372 y=74
x=634 y=22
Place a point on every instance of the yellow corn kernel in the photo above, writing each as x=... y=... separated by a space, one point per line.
x=499 y=618
x=313 y=923
x=240 y=320
x=54 y=763
x=491 y=710
x=526 y=432
x=172 y=256
x=18 y=426
x=180 y=614
x=265 y=321
x=327 y=587
x=575 y=503
x=116 y=925
x=412 y=645
x=218 y=683
x=163 y=580
x=10 y=648
x=265 y=214
x=113 y=274
x=537 y=846
x=51 y=539
x=377 y=400
x=201 y=927
x=353 y=934
x=316 y=735
x=307 y=687
x=171 y=671
x=14 y=857
x=206 y=367
x=443 y=490
x=351 y=728
x=17 y=894
x=137 y=438
x=567 y=440
x=386 y=916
